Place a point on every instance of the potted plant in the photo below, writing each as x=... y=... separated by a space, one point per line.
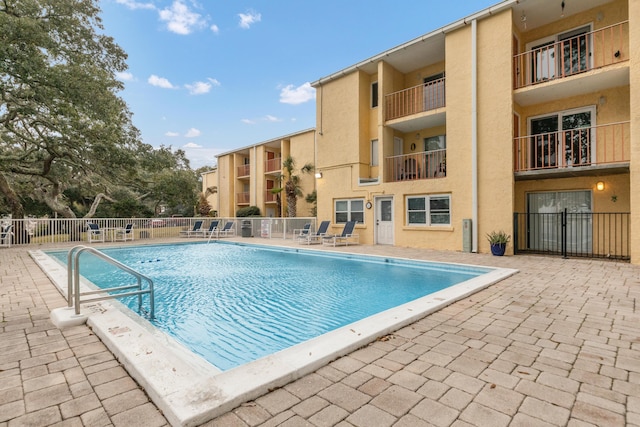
x=498 y=241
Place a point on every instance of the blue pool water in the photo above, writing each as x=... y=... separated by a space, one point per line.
x=233 y=303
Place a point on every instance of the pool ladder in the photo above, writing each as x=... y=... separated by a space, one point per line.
x=73 y=281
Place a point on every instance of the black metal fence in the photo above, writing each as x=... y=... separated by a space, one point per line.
x=575 y=234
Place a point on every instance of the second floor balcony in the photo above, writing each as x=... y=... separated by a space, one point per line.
x=574 y=150
x=243 y=171
x=269 y=197
x=415 y=100
x=273 y=165
x=423 y=165
x=243 y=198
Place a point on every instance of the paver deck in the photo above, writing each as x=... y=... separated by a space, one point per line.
x=557 y=344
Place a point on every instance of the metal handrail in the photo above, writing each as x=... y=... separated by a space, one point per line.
x=73 y=281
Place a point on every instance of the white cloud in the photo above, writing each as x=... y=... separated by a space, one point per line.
x=172 y=134
x=192 y=133
x=248 y=19
x=180 y=19
x=214 y=28
x=248 y=122
x=133 y=5
x=160 y=82
x=270 y=118
x=200 y=156
x=297 y=95
x=198 y=88
x=191 y=145
x=214 y=82
x=124 y=76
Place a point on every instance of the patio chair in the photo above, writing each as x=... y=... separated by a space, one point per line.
x=94 y=234
x=6 y=235
x=313 y=238
x=197 y=226
x=123 y=234
x=229 y=229
x=213 y=227
x=345 y=238
x=300 y=232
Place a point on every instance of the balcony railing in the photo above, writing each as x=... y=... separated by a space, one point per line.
x=244 y=170
x=242 y=198
x=269 y=197
x=571 y=56
x=273 y=165
x=414 y=100
x=589 y=146
x=424 y=165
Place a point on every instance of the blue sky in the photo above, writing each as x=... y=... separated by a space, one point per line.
x=210 y=76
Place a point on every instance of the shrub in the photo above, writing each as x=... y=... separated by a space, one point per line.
x=248 y=211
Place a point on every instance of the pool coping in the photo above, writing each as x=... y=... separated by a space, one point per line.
x=191 y=391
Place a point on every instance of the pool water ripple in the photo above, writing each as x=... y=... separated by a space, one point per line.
x=233 y=303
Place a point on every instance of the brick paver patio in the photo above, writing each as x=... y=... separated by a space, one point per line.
x=555 y=345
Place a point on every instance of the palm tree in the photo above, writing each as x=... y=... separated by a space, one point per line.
x=292 y=188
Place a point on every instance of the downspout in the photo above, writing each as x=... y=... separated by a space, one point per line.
x=474 y=135
x=254 y=175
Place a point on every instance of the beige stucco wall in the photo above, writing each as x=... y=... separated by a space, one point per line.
x=210 y=180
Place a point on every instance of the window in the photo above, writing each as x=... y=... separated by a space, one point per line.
x=374 y=152
x=563 y=139
x=374 y=94
x=429 y=210
x=349 y=210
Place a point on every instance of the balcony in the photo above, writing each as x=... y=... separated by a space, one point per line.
x=597 y=149
x=243 y=171
x=242 y=198
x=555 y=61
x=415 y=100
x=273 y=165
x=423 y=165
x=269 y=197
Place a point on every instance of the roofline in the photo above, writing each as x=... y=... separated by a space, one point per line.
x=498 y=7
x=265 y=142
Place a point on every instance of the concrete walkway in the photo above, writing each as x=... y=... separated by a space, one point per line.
x=558 y=344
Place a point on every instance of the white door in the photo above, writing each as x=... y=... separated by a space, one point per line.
x=384 y=220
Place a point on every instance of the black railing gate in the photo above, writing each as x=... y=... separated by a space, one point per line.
x=575 y=234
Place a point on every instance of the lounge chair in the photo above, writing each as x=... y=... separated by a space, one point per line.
x=123 y=234
x=313 y=238
x=194 y=231
x=347 y=237
x=301 y=232
x=94 y=234
x=229 y=229
x=213 y=227
x=6 y=235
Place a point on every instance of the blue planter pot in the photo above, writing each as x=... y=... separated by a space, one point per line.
x=498 y=249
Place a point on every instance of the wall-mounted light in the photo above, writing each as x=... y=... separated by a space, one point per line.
x=318 y=175
x=562 y=9
x=600 y=185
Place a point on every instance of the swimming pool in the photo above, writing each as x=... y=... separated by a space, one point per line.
x=233 y=304
x=191 y=391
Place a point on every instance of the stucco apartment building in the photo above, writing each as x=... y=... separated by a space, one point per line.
x=246 y=176
x=522 y=117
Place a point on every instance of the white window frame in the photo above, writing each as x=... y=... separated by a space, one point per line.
x=560 y=148
x=555 y=39
x=349 y=210
x=427 y=210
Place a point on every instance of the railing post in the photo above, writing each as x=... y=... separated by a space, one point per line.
x=564 y=233
x=515 y=233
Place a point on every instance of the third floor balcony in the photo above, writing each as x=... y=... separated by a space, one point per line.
x=415 y=100
x=243 y=171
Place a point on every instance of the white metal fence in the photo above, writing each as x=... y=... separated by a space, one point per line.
x=34 y=231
